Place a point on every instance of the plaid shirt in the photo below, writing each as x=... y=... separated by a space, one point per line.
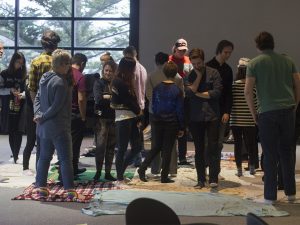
x=38 y=67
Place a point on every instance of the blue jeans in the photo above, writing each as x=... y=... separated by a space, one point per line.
x=63 y=145
x=276 y=132
x=126 y=131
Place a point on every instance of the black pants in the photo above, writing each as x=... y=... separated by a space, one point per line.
x=15 y=140
x=105 y=143
x=31 y=134
x=77 y=131
x=4 y=113
x=165 y=136
x=248 y=136
x=199 y=130
x=14 y=135
x=126 y=131
x=182 y=147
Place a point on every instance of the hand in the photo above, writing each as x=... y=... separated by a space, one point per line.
x=180 y=133
x=37 y=119
x=22 y=95
x=106 y=96
x=225 y=118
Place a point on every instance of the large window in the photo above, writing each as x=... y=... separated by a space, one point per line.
x=88 y=26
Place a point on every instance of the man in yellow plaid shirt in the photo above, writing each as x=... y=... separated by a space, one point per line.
x=38 y=67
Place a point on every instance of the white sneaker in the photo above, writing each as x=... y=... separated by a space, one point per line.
x=2 y=179
x=264 y=201
x=126 y=180
x=11 y=159
x=28 y=172
x=213 y=185
x=153 y=176
x=291 y=198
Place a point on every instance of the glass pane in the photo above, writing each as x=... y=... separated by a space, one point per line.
x=41 y=8
x=30 y=32
x=4 y=61
x=93 y=65
x=102 y=34
x=30 y=55
x=7 y=8
x=100 y=8
x=7 y=32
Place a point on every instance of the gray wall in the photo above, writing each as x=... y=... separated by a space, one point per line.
x=204 y=23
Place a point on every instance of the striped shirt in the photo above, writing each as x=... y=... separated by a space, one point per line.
x=240 y=112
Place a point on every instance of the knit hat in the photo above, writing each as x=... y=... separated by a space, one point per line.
x=243 y=62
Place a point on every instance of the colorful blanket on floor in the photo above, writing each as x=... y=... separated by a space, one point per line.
x=89 y=174
x=57 y=192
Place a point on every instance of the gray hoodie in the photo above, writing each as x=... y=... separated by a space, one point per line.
x=52 y=106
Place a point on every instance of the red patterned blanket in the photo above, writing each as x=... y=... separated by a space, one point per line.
x=57 y=192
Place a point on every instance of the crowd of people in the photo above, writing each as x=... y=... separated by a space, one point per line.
x=186 y=95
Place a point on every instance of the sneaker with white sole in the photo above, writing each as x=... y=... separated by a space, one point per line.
x=264 y=201
x=213 y=185
x=28 y=172
x=11 y=159
x=2 y=179
x=291 y=198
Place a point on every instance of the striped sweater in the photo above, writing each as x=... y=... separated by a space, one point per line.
x=240 y=113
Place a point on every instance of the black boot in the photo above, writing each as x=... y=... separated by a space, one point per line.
x=167 y=180
x=108 y=176
x=97 y=175
x=142 y=175
x=79 y=171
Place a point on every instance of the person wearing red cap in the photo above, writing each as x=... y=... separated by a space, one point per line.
x=184 y=65
x=179 y=57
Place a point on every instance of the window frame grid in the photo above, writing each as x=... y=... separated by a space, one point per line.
x=133 y=20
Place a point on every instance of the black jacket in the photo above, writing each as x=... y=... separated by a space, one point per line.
x=122 y=98
x=102 y=106
x=226 y=74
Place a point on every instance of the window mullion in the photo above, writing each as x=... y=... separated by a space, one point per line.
x=16 y=21
x=73 y=27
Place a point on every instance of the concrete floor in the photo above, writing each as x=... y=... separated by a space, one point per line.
x=37 y=213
